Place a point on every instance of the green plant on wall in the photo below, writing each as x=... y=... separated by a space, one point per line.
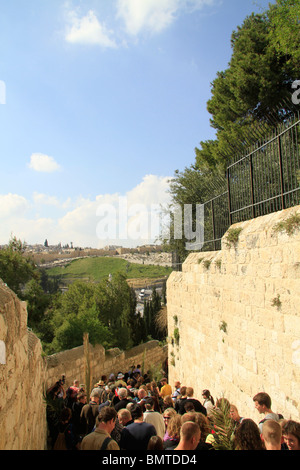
x=207 y=263
x=176 y=336
x=289 y=225
x=223 y=326
x=219 y=264
x=232 y=236
x=276 y=302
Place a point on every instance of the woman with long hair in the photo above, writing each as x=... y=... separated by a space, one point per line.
x=247 y=436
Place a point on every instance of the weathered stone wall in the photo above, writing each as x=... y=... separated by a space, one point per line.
x=234 y=319
x=22 y=375
x=25 y=374
x=72 y=363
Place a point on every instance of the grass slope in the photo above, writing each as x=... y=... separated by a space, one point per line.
x=96 y=269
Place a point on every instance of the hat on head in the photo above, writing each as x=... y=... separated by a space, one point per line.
x=120 y=376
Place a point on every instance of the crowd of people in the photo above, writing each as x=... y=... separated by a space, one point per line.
x=134 y=413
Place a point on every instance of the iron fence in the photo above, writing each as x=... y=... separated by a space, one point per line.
x=264 y=180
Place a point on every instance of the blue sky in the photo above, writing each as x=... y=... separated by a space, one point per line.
x=101 y=101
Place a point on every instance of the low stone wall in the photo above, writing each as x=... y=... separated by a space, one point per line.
x=72 y=363
x=234 y=318
x=22 y=376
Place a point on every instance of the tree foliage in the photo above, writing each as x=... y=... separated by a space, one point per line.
x=248 y=100
x=16 y=269
x=252 y=91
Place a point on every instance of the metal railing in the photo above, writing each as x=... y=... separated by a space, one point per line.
x=265 y=180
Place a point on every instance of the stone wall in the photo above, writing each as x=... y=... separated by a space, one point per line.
x=25 y=374
x=72 y=363
x=234 y=318
x=22 y=375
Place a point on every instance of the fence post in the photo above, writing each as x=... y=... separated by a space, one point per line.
x=229 y=199
x=252 y=187
x=87 y=363
x=213 y=223
x=281 y=173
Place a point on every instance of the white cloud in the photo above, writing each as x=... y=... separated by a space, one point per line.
x=88 y=30
x=128 y=220
x=12 y=205
x=154 y=15
x=44 y=199
x=43 y=163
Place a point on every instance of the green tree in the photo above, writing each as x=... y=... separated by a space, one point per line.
x=285 y=30
x=248 y=99
x=254 y=92
x=16 y=269
x=70 y=333
x=37 y=302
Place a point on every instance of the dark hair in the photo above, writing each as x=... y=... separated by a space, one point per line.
x=263 y=399
x=247 y=436
x=155 y=443
x=188 y=406
x=292 y=427
x=207 y=394
x=136 y=411
x=106 y=413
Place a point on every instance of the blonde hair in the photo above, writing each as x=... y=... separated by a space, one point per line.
x=271 y=432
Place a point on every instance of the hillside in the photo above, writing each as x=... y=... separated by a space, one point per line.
x=96 y=269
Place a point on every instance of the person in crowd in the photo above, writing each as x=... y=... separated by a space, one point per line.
x=262 y=402
x=141 y=397
x=154 y=417
x=71 y=394
x=234 y=415
x=100 y=387
x=75 y=387
x=66 y=438
x=167 y=415
x=120 y=382
x=179 y=404
x=100 y=438
x=272 y=435
x=137 y=370
x=167 y=402
x=189 y=406
x=172 y=436
x=190 y=435
x=124 y=417
x=208 y=402
x=154 y=393
x=90 y=412
x=176 y=392
x=55 y=405
x=166 y=388
x=203 y=423
x=197 y=404
x=291 y=434
x=124 y=399
x=78 y=427
x=247 y=436
x=155 y=443
x=136 y=436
